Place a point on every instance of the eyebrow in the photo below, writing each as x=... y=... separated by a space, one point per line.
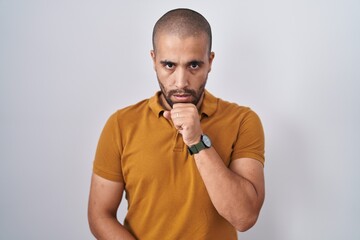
x=164 y=62
x=199 y=62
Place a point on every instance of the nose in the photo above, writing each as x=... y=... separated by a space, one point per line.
x=181 y=78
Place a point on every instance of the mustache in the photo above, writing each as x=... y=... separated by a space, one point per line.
x=182 y=91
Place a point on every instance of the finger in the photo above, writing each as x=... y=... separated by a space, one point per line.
x=183 y=105
x=177 y=114
x=167 y=115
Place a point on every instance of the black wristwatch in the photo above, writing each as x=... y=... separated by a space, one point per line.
x=204 y=143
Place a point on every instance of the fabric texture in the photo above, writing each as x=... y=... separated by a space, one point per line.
x=166 y=196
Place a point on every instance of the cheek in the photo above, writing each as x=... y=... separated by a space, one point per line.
x=200 y=77
x=164 y=77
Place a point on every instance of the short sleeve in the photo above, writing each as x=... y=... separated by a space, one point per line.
x=107 y=163
x=250 y=140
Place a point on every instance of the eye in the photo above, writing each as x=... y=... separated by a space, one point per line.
x=194 y=65
x=168 y=65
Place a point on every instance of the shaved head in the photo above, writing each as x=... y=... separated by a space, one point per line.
x=182 y=23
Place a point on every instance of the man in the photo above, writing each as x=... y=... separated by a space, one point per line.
x=191 y=164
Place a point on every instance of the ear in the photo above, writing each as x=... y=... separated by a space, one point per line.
x=152 y=54
x=211 y=58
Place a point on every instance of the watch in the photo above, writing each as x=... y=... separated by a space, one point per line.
x=204 y=143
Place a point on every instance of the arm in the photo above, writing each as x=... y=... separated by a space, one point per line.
x=237 y=193
x=104 y=200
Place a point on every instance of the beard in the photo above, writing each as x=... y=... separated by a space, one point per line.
x=196 y=95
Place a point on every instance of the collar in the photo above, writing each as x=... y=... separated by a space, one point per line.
x=208 y=106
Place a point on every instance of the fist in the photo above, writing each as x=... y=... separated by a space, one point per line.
x=186 y=120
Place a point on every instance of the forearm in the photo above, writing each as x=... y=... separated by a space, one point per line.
x=233 y=196
x=109 y=228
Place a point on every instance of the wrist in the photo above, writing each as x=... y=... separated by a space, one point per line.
x=194 y=142
x=202 y=144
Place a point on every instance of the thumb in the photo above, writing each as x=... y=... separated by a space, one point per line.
x=167 y=115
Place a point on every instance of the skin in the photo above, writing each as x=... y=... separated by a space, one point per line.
x=104 y=200
x=182 y=66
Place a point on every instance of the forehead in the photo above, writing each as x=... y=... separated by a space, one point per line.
x=173 y=44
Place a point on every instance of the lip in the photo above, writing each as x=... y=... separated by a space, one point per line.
x=182 y=97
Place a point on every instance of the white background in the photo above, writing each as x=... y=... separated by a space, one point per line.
x=65 y=66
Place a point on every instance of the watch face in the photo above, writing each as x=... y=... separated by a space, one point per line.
x=206 y=140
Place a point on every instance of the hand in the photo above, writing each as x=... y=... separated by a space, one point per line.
x=186 y=120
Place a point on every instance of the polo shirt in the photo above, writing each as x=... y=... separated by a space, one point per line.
x=166 y=196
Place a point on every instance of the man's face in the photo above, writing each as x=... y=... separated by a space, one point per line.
x=182 y=66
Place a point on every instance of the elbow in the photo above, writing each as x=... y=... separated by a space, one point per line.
x=92 y=224
x=92 y=229
x=95 y=222
x=246 y=218
x=241 y=221
x=242 y=225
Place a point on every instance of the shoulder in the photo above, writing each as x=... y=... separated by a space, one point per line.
x=131 y=110
x=217 y=107
x=234 y=110
x=127 y=116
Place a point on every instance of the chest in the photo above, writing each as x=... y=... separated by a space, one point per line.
x=154 y=152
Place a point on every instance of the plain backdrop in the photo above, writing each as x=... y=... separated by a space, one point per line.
x=65 y=66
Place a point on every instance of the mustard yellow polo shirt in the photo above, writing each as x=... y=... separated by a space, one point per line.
x=166 y=196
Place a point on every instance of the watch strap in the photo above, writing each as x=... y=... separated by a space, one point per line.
x=196 y=148
x=204 y=143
